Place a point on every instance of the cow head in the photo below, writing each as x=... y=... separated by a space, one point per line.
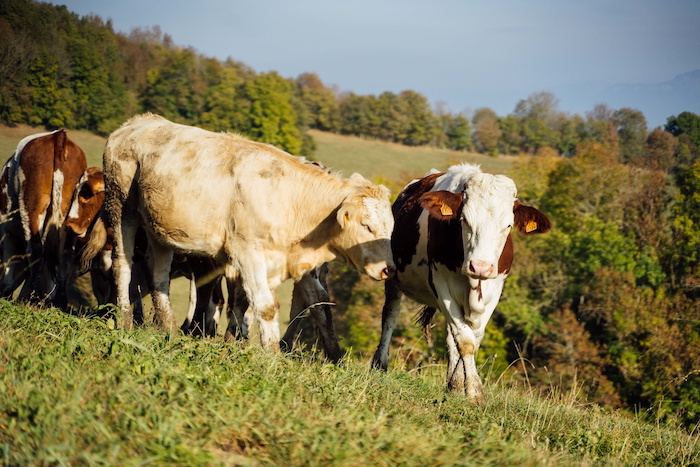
x=487 y=209
x=366 y=223
x=87 y=202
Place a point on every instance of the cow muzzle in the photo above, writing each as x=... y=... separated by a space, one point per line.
x=381 y=271
x=478 y=269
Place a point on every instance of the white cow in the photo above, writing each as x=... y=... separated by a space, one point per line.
x=261 y=212
x=453 y=251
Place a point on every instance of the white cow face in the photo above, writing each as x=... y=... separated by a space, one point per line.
x=365 y=238
x=485 y=212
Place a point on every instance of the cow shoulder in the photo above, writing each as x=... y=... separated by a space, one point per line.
x=407 y=210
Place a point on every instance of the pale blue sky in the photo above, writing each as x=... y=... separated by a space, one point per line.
x=464 y=53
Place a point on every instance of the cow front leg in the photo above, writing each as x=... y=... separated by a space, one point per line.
x=462 y=374
x=390 y=315
x=263 y=303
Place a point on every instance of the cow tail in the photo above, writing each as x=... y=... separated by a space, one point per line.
x=59 y=154
x=96 y=243
x=425 y=315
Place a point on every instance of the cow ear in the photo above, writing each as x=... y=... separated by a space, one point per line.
x=529 y=220
x=442 y=205
x=343 y=215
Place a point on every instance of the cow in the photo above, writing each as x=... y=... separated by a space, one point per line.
x=259 y=211
x=37 y=185
x=86 y=228
x=453 y=250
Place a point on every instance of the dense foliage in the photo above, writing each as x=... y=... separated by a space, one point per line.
x=60 y=69
x=607 y=302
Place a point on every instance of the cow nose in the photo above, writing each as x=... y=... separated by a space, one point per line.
x=480 y=268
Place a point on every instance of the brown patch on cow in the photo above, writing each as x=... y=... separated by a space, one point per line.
x=465 y=347
x=269 y=313
x=90 y=199
x=274 y=170
x=407 y=209
x=505 y=261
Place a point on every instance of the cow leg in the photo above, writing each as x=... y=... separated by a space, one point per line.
x=35 y=291
x=202 y=284
x=14 y=264
x=263 y=303
x=122 y=262
x=306 y=292
x=160 y=262
x=238 y=326
x=390 y=315
x=462 y=375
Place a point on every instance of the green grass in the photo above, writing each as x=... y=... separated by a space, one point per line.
x=75 y=391
x=394 y=162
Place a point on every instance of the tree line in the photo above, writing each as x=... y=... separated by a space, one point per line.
x=606 y=304
x=59 y=69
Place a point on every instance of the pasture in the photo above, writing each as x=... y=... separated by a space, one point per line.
x=76 y=391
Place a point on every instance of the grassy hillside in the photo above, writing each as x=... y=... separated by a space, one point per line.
x=75 y=391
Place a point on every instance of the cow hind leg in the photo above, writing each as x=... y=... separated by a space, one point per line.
x=237 y=327
x=161 y=258
x=390 y=315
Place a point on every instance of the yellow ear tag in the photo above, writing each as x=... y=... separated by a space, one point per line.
x=445 y=210
x=530 y=226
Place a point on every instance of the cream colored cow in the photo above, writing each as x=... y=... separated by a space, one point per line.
x=261 y=212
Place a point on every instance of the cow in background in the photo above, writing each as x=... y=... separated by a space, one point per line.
x=453 y=250
x=259 y=211
x=93 y=242
x=36 y=186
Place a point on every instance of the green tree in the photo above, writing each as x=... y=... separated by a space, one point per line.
x=271 y=117
x=319 y=101
x=486 y=130
x=631 y=128
x=458 y=133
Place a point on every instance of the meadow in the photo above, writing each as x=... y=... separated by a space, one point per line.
x=75 y=391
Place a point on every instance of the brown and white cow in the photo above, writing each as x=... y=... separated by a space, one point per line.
x=453 y=250
x=261 y=212
x=37 y=186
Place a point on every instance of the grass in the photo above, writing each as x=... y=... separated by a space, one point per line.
x=75 y=391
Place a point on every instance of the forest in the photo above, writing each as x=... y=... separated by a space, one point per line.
x=606 y=305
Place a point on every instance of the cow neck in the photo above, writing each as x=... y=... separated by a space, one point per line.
x=319 y=245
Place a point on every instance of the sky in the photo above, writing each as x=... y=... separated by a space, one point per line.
x=460 y=54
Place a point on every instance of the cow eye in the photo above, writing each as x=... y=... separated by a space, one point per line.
x=369 y=229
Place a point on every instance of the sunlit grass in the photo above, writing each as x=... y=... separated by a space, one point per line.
x=72 y=391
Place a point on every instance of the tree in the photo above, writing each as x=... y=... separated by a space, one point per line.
x=659 y=151
x=486 y=130
x=631 y=126
x=458 y=133
x=537 y=116
x=319 y=101
x=271 y=118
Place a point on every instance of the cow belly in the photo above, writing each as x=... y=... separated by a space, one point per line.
x=185 y=220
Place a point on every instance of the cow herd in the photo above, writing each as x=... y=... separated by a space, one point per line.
x=216 y=207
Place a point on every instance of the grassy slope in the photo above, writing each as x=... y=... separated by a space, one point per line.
x=73 y=391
